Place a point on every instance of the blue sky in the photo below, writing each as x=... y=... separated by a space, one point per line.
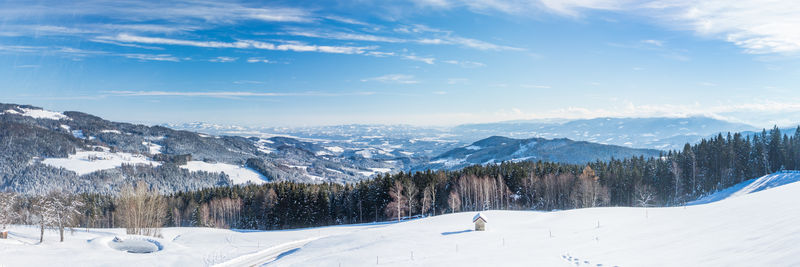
x=425 y=62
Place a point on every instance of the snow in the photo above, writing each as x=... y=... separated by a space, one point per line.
x=380 y=170
x=78 y=134
x=238 y=174
x=334 y=149
x=153 y=147
x=755 y=229
x=111 y=131
x=751 y=186
x=480 y=215
x=38 y=114
x=473 y=147
x=365 y=154
x=450 y=162
x=183 y=246
x=85 y=162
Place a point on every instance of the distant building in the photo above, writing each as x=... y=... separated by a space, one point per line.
x=480 y=221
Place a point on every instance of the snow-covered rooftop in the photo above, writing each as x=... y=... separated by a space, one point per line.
x=480 y=215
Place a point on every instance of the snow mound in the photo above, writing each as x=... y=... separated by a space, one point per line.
x=135 y=245
x=751 y=186
x=85 y=162
x=239 y=174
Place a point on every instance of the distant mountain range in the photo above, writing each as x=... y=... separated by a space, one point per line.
x=497 y=149
x=45 y=150
x=655 y=133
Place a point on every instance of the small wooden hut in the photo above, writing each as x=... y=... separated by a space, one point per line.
x=480 y=221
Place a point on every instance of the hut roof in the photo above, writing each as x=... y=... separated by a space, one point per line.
x=481 y=216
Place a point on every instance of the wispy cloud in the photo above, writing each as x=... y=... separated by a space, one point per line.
x=465 y=64
x=240 y=44
x=393 y=78
x=346 y=20
x=223 y=59
x=759 y=27
x=148 y=57
x=258 y=60
x=342 y=36
x=226 y=94
x=653 y=42
x=219 y=12
x=426 y=60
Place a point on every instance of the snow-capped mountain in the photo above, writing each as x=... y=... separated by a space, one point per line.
x=497 y=149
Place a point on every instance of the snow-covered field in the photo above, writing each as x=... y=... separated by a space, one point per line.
x=84 y=162
x=761 y=228
x=238 y=174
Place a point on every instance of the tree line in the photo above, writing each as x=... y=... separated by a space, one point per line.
x=673 y=178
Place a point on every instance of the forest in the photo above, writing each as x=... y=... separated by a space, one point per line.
x=673 y=178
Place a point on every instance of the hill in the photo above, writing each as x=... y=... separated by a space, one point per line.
x=497 y=149
x=77 y=152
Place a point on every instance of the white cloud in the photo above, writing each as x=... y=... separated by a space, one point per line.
x=393 y=78
x=347 y=20
x=218 y=12
x=226 y=94
x=757 y=26
x=653 y=42
x=148 y=57
x=223 y=59
x=343 y=36
x=241 y=44
x=465 y=64
x=258 y=60
x=427 y=60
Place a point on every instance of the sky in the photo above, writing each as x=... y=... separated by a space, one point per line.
x=422 y=62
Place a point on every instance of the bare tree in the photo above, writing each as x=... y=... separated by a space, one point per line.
x=676 y=170
x=454 y=201
x=587 y=191
x=428 y=198
x=58 y=211
x=644 y=195
x=410 y=193
x=7 y=212
x=143 y=210
x=398 y=204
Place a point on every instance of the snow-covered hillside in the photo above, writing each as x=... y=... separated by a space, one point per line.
x=238 y=174
x=756 y=229
x=84 y=162
x=751 y=186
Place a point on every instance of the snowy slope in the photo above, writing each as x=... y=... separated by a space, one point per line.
x=37 y=113
x=759 y=229
x=238 y=174
x=84 y=162
x=755 y=229
x=751 y=186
